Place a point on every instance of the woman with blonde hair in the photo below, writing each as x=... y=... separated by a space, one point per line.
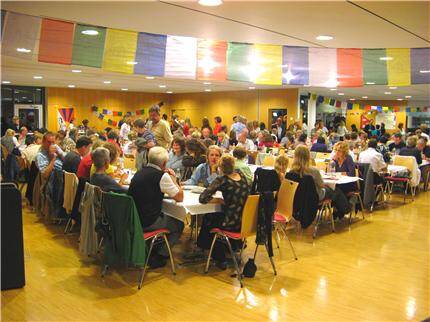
x=206 y=172
x=223 y=140
x=281 y=165
x=9 y=141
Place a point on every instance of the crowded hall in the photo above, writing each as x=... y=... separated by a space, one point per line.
x=158 y=158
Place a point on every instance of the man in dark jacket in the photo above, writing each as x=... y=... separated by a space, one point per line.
x=411 y=149
x=398 y=143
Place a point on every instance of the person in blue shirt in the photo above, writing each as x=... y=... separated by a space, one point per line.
x=206 y=172
x=50 y=156
x=320 y=145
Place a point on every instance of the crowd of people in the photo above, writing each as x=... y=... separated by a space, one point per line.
x=169 y=155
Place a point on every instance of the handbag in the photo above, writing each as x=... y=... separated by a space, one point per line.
x=250 y=268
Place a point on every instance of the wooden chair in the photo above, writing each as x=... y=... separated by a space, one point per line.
x=356 y=193
x=325 y=210
x=408 y=162
x=269 y=161
x=248 y=229
x=284 y=209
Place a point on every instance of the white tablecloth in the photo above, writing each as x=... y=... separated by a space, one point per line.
x=331 y=182
x=190 y=205
x=424 y=163
x=393 y=169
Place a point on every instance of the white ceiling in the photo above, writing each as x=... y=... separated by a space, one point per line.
x=288 y=23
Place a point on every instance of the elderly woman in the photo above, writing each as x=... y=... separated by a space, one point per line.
x=411 y=149
x=240 y=165
x=205 y=173
x=223 y=141
x=101 y=162
x=176 y=156
x=235 y=190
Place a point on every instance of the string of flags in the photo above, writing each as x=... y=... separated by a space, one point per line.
x=103 y=113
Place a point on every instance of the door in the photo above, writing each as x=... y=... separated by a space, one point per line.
x=274 y=113
x=30 y=115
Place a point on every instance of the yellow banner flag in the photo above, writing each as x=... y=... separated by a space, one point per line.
x=120 y=50
x=385 y=108
x=356 y=106
x=266 y=62
x=399 y=66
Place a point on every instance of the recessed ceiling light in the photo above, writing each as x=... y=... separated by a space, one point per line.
x=76 y=71
x=71 y=86
x=364 y=97
x=124 y=89
x=306 y=85
x=333 y=89
x=149 y=77
x=23 y=50
x=107 y=82
x=393 y=87
x=90 y=32
x=324 y=37
x=424 y=71
x=162 y=86
x=210 y=3
x=251 y=87
x=37 y=77
x=386 y=58
x=131 y=62
x=352 y=99
x=38 y=89
x=5 y=82
x=207 y=83
x=169 y=92
x=341 y=94
x=387 y=93
x=370 y=83
x=408 y=96
x=400 y=99
x=208 y=90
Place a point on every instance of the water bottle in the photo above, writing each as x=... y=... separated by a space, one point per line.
x=121 y=163
x=332 y=167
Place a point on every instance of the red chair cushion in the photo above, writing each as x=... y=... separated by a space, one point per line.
x=279 y=218
x=151 y=234
x=229 y=234
x=396 y=179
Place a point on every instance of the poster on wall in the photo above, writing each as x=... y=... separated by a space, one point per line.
x=363 y=121
x=388 y=118
x=64 y=116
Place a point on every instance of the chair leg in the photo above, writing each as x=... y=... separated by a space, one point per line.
x=100 y=244
x=292 y=248
x=277 y=238
x=317 y=222
x=330 y=211
x=210 y=253
x=239 y=274
x=172 y=262
x=241 y=250
x=271 y=260
x=361 y=204
x=69 y=222
x=142 y=275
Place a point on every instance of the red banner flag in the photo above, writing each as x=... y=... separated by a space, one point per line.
x=56 y=42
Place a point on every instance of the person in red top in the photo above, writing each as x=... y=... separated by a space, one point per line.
x=113 y=137
x=85 y=167
x=218 y=125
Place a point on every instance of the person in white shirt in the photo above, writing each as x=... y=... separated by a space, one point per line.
x=30 y=152
x=374 y=158
x=125 y=129
x=244 y=142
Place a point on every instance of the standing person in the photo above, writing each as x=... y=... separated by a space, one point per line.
x=73 y=158
x=125 y=129
x=186 y=127
x=280 y=129
x=205 y=124
x=238 y=126
x=160 y=128
x=218 y=125
x=15 y=124
x=84 y=126
x=368 y=128
x=401 y=129
x=342 y=130
x=383 y=131
x=354 y=128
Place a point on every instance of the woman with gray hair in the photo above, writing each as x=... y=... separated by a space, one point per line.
x=101 y=162
x=411 y=149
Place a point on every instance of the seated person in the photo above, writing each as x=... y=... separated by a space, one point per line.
x=113 y=137
x=240 y=165
x=235 y=190
x=196 y=153
x=398 y=143
x=267 y=140
x=176 y=155
x=244 y=142
x=113 y=156
x=344 y=163
x=101 y=161
x=142 y=150
x=411 y=149
x=383 y=148
x=206 y=172
x=223 y=141
x=301 y=140
x=33 y=145
x=423 y=147
x=73 y=158
x=375 y=159
x=320 y=146
x=281 y=166
x=147 y=188
x=49 y=156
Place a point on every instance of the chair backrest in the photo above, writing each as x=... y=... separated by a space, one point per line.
x=286 y=195
x=321 y=155
x=321 y=166
x=406 y=161
x=250 y=216
x=129 y=163
x=4 y=152
x=269 y=161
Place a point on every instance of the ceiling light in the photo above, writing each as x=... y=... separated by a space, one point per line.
x=23 y=50
x=162 y=86
x=251 y=87
x=124 y=89
x=38 y=89
x=324 y=37
x=352 y=99
x=333 y=89
x=210 y=3
x=169 y=92
x=424 y=71
x=71 y=86
x=5 y=82
x=131 y=62
x=370 y=83
x=76 y=71
x=37 y=77
x=307 y=85
x=400 y=99
x=341 y=94
x=386 y=58
x=393 y=87
x=107 y=82
x=387 y=93
x=207 y=83
x=364 y=97
x=149 y=77
x=208 y=90
x=408 y=96
x=90 y=32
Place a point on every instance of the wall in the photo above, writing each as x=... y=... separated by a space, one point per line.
x=82 y=100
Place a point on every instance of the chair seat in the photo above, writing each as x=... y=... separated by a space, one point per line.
x=397 y=179
x=151 y=234
x=279 y=218
x=229 y=234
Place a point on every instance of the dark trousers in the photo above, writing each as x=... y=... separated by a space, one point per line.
x=339 y=201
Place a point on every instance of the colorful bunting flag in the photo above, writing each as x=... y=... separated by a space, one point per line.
x=211 y=60
x=56 y=42
x=239 y=67
x=295 y=65
x=396 y=109
x=349 y=67
x=322 y=67
x=314 y=97
x=181 y=57
x=385 y=108
x=374 y=69
x=326 y=100
x=150 y=54
x=332 y=102
x=338 y=104
x=399 y=66
x=267 y=63
x=320 y=99
x=420 y=65
x=101 y=116
x=120 y=49
x=88 y=49
x=349 y=106
x=368 y=107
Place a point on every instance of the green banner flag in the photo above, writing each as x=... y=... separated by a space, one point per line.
x=374 y=68
x=239 y=66
x=88 y=45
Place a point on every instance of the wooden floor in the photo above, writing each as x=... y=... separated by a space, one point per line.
x=378 y=270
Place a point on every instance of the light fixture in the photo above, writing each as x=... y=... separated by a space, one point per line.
x=76 y=71
x=386 y=58
x=162 y=86
x=387 y=93
x=210 y=3
x=364 y=97
x=333 y=89
x=169 y=92
x=124 y=89
x=408 y=96
x=107 y=82
x=208 y=90
x=306 y=85
x=5 y=82
x=149 y=77
x=324 y=37
x=90 y=32
x=251 y=87
x=37 y=77
x=23 y=50
x=131 y=62
x=207 y=83
x=71 y=86
x=370 y=83
x=352 y=99
x=424 y=71
x=400 y=99
x=393 y=87
x=341 y=94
